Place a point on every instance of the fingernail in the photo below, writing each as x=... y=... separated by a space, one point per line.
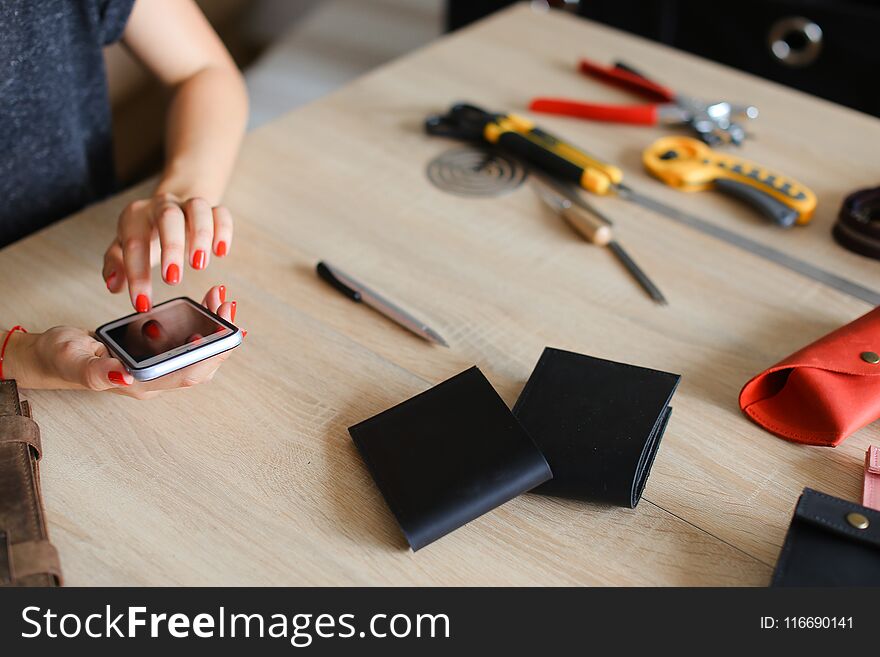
x=142 y=303
x=222 y=290
x=199 y=258
x=172 y=274
x=221 y=249
x=243 y=333
x=110 y=279
x=234 y=306
x=117 y=378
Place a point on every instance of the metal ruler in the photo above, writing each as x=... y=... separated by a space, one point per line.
x=797 y=265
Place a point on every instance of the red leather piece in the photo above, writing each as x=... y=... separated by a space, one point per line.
x=638 y=114
x=822 y=393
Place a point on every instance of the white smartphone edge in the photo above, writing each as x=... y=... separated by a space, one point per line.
x=178 y=361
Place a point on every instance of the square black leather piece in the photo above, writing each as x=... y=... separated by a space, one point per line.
x=597 y=422
x=830 y=542
x=448 y=456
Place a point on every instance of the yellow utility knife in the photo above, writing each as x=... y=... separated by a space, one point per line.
x=521 y=138
x=691 y=166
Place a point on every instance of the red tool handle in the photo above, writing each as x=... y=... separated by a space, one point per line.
x=639 y=114
x=624 y=79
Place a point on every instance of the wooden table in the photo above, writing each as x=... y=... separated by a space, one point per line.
x=253 y=479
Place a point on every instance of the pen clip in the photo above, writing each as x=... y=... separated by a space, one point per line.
x=327 y=274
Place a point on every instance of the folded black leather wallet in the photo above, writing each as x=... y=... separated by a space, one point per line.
x=448 y=456
x=830 y=542
x=597 y=422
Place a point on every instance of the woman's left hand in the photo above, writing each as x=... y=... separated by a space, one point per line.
x=65 y=357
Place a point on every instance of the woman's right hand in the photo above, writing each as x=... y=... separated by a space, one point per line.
x=167 y=230
x=65 y=357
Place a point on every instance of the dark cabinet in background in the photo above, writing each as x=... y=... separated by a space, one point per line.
x=824 y=47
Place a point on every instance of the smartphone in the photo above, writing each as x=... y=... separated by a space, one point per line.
x=173 y=335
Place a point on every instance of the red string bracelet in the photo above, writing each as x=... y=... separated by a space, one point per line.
x=6 y=342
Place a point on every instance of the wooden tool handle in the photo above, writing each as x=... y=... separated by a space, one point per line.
x=590 y=227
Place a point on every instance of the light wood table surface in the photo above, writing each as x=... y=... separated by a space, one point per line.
x=253 y=478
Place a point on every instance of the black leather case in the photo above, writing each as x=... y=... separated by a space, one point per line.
x=448 y=456
x=824 y=545
x=597 y=422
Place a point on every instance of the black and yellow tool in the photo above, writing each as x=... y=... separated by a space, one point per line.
x=520 y=137
x=691 y=166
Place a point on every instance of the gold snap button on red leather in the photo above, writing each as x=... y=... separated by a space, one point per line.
x=871 y=357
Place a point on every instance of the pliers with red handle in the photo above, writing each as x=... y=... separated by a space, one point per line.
x=713 y=121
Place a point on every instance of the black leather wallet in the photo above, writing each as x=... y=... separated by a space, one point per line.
x=830 y=542
x=597 y=422
x=448 y=456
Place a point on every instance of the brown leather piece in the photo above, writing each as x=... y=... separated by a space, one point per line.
x=20 y=429
x=5 y=560
x=26 y=556
x=33 y=558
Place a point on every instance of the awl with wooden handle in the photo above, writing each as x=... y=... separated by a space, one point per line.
x=590 y=227
x=595 y=229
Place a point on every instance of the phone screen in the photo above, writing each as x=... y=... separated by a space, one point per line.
x=170 y=327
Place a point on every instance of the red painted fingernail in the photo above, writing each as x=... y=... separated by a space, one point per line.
x=221 y=249
x=110 y=279
x=172 y=274
x=199 y=259
x=222 y=290
x=142 y=303
x=234 y=306
x=117 y=378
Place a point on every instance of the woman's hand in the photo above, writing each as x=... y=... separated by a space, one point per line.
x=69 y=358
x=164 y=228
x=205 y=123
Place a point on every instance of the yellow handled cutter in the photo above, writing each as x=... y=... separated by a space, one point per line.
x=691 y=166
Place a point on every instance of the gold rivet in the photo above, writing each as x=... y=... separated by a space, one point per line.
x=857 y=520
x=871 y=357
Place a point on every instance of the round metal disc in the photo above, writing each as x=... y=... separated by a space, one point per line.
x=475 y=172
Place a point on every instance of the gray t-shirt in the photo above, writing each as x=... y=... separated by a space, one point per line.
x=55 y=131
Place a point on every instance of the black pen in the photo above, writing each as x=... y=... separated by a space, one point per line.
x=359 y=292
